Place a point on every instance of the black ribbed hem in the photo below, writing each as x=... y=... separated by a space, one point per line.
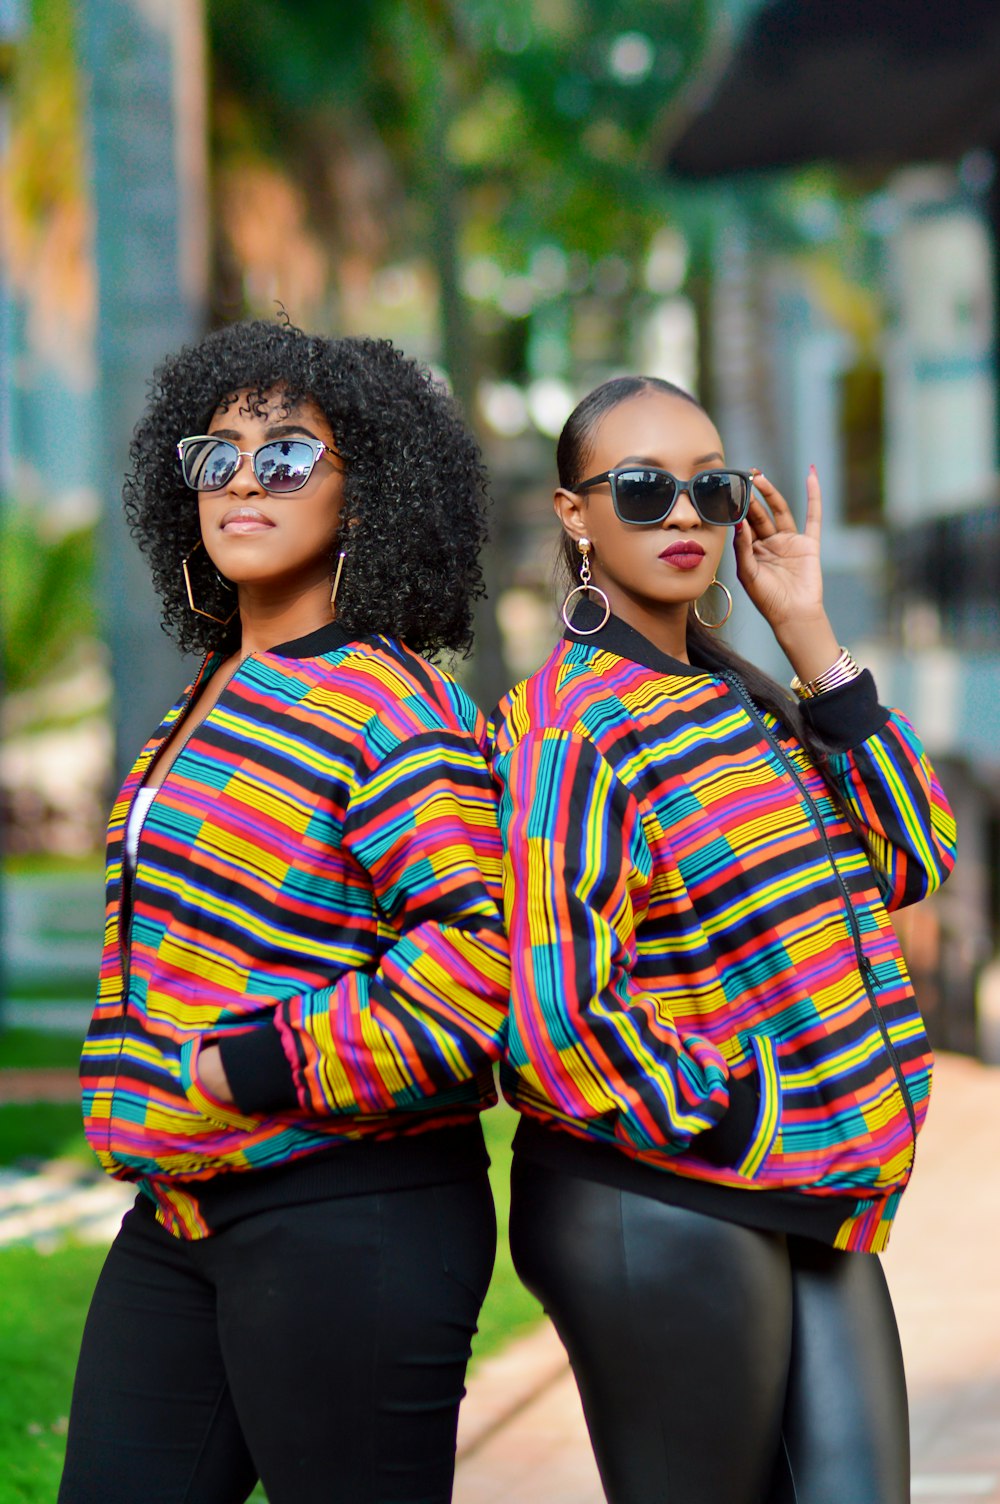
x=257 y=1069
x=434 y=1156
x=728 y=1141
x=790 y=1212
x=848 y=716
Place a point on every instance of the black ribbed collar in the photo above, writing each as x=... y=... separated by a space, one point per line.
x=617 y=637
x=325 y=639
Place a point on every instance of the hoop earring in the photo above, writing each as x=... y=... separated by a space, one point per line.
x=336 y=581
x=714 y=626
x=585 y=588
x=223 y=621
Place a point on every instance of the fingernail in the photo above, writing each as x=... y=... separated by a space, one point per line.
x=812 y=469
x=738 y=529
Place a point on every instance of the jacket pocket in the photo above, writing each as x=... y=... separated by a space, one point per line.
x=222 y=1114
x=769 y=1115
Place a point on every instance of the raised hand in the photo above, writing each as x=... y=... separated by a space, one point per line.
x=779 y=568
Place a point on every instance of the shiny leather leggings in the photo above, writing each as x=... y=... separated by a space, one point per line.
x=716 y=1364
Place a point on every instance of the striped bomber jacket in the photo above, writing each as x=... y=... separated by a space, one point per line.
x=708 y=1000
x=317 y=891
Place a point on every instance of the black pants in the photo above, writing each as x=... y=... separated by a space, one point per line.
x=716 y=1364
x=322 y=1347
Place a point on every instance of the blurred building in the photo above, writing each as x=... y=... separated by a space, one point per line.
x=12 y=24
x=880 y=367
x=103 y=271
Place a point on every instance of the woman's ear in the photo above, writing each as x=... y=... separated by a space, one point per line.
x=569 y=508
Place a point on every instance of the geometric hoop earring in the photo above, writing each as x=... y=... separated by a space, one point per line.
x=719 y=621
x=223 y=621
x=585 y=587
x=336 y=582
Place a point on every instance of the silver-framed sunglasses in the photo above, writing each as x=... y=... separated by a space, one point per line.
x=643 y=496
x=281 y=465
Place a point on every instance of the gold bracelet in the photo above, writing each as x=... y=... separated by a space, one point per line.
x=843 y=671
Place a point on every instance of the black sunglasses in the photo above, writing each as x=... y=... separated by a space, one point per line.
x=281 y=465
x=644 y=497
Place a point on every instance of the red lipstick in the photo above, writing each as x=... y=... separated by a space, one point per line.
x=683 y=555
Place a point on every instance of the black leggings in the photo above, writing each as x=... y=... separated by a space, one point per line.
x=322 y=1347
x=716 y=1364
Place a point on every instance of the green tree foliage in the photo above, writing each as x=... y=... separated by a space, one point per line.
x=506 y=145
x=47 y=155
x=48 y=604
x=514 y=125
x=43 y=184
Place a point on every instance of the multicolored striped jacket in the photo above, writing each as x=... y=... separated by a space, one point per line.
x=708 y=1002
x=317 y=891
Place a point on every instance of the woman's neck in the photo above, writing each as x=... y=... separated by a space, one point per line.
x=662 y=624
x=268 y=618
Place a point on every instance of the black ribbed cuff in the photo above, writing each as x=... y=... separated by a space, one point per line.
x=257 y=1069
x=848 y=716
x=726 y=1143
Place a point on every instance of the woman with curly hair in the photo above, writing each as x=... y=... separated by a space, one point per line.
x=304 y=978
x=713 y=1040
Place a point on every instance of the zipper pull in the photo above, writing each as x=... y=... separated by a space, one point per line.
x=868 y=970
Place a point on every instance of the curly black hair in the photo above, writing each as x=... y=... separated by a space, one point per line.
x=415 y=501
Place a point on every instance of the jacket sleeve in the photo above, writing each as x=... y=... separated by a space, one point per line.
x=422 y=823
x=883 y=771
x=585 y=1036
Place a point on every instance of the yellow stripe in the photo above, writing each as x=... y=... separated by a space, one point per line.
x=770 y=1101
x=904 y=808
x=761 y=900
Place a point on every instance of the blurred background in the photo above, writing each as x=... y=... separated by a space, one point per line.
x=790 y=208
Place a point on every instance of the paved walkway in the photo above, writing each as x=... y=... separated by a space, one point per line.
x=522 y=1438
x=58 y=1085
x=62 y=1199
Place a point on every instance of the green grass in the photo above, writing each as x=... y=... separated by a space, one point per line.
x=508 y=1308
x=38 y=1049
x=44 y=1303
x=42 y=1130
x=57 y=986
x=45 y=1299
x=49 y=864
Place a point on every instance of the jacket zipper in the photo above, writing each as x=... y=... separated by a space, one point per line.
x=125 y=898
x=125 y=894
x=865 y=968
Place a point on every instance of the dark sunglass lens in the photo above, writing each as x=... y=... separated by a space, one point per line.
x=644 y=496
x=284 y=465
x=208 y=463
x=720 y=496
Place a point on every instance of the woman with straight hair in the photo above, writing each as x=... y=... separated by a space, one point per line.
x=713 y=1041
x=305 y=981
